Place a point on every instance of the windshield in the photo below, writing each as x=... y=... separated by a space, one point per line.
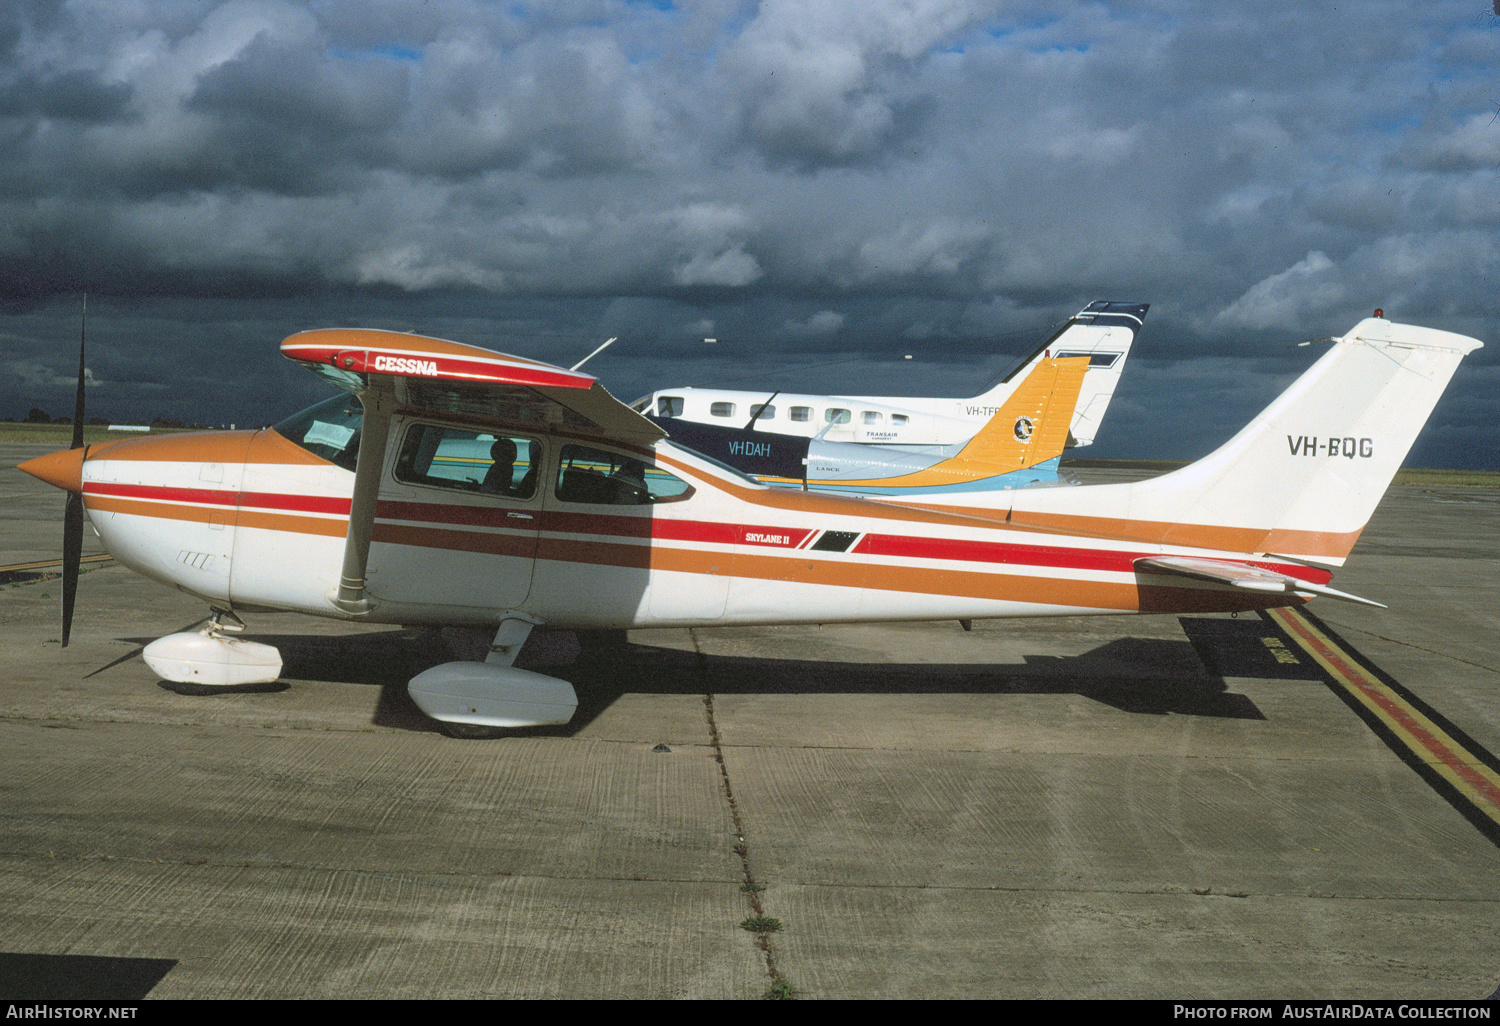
x=329 y=430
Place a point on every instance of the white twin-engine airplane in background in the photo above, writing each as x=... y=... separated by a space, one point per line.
x=575 y=512
x=1102 y=331
x=1018 y=447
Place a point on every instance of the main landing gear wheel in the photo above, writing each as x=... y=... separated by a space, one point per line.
x=472 y=731
x=485 y=700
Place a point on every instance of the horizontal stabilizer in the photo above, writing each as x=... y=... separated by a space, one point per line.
x=1244 y=575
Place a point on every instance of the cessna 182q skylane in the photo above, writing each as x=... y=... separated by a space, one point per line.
x=586 y=517
x=1102 y=332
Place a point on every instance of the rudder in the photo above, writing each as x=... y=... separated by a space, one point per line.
x=1312 y=467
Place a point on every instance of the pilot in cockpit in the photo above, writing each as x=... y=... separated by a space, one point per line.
x=499 y=479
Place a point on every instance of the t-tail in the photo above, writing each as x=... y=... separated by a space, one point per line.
x=1102 y=331
x=1300 y=480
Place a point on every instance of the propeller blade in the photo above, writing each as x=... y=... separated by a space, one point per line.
x=72 y=555
x=73 y=512
x=78 y=400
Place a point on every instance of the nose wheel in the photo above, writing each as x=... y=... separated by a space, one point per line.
x=211 y=659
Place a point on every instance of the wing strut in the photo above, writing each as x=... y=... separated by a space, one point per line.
x=379 y=401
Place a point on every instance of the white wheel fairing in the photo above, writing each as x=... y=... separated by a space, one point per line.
x=207 y=659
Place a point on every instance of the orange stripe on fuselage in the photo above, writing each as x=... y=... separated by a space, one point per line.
x=792 y=567
x=1239 y=540
x=976 y=584
x=160 y=510
x=268 y=447
x=223 y=516
x=210 y=447
x=1329 y=544
x=1148 y=532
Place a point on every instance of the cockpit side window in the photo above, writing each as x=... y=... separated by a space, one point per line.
x=329 y=430
x=471 y=461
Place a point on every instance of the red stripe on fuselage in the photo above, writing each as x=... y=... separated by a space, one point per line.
x=1114 y=561
x=287 y=502
x=644 y=526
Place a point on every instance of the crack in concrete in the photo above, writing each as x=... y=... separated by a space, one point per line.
x=751 y=887
x=434 y=875
x=1410 y=644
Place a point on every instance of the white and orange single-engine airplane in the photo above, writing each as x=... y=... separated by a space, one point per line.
x=451 y=485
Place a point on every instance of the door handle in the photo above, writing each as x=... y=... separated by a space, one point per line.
x=519 y=516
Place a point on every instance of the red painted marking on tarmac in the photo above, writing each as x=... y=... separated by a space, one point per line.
x=1397 y=711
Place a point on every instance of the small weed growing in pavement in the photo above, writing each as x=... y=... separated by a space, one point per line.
x=760 y=924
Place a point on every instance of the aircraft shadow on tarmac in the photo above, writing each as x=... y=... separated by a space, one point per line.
x=1149 y=676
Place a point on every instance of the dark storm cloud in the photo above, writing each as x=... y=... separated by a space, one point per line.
x=71 y=96
x=821 y=185
x=287 y=107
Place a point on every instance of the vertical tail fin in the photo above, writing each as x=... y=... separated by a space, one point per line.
x=1302 y=478
x=1032 y=425
x=1103 y=331
x=1028 y=430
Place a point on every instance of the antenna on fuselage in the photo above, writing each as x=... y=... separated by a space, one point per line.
x=596 y=352
x=759 y=409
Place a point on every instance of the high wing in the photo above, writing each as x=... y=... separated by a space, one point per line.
x=391 y=370
x=435 y=375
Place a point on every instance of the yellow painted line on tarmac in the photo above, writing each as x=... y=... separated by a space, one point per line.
x=49 y=563
x=1433 y=745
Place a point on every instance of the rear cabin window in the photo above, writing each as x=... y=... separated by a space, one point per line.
x=898 y=419
x=871 y=417
x=598 y=477
x=469 y=461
